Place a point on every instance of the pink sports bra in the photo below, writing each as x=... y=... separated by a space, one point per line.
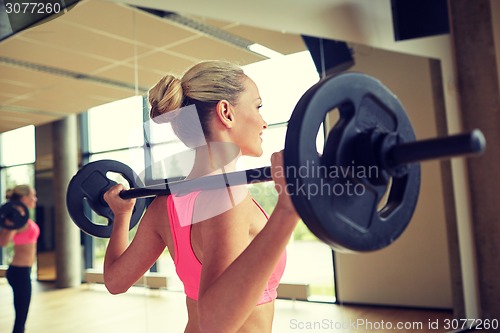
x=28 y=236
x=187 y=265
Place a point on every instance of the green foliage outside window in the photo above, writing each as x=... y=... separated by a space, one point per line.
x=265 y=194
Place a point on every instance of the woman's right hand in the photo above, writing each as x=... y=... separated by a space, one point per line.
x=278 y=173
x=118 y=205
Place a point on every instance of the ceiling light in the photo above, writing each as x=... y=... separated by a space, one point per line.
x=265 y=51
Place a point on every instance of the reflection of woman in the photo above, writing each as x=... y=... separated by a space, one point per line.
x=19 y=272
x=231 y=261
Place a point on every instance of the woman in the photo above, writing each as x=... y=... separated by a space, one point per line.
x=231 y=262
x=25 y=239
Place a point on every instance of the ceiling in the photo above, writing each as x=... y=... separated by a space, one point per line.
x=103 y=51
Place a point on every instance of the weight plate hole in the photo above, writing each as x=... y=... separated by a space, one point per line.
x=331 y=119
x=118 y=178
x=92 y=216
x=385 y=197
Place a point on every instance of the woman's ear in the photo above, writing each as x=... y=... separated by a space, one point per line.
x=225 y=113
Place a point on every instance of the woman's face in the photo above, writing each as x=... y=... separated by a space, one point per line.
x=30 y=199
x=249 y=122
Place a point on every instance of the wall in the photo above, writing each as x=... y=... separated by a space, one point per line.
x=495 y=9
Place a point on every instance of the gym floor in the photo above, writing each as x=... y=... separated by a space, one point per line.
x=90 y=308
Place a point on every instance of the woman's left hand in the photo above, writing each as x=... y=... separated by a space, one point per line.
x=118 y=205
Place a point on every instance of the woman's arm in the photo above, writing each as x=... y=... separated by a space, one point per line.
x=124 y=264
x=235 y=275
x=232 y=283
x=6 y=236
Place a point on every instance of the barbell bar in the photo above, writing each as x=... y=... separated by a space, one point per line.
x=398 y=156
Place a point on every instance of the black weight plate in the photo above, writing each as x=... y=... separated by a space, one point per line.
x=89 y=185
x=13 y=215
x=339 y=204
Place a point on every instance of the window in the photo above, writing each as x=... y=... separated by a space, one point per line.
x=17 y=157
x=291 y=76
x=116 y=125
x=18 y=146
x=115 y=132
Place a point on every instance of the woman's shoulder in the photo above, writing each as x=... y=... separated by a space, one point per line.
x=158 y=204
x=221 y=203
x=156 y=212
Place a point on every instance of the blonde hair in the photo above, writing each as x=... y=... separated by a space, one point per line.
x=203 y=85
x=16 y=193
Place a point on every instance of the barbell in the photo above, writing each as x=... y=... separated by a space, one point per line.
x=370 y=155
x=13 y=215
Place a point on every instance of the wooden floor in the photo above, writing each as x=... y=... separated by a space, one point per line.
x=90 y=308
